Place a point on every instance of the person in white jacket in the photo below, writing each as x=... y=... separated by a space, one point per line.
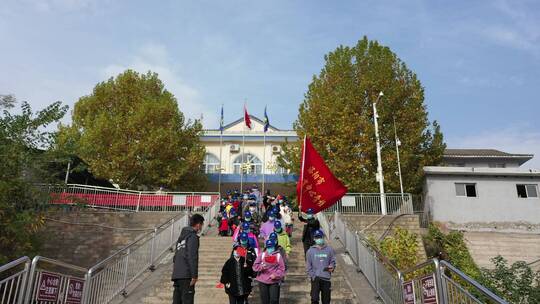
x=286 y=217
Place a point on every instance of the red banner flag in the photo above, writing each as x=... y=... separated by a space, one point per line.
x=247 y=120
x=317 y=187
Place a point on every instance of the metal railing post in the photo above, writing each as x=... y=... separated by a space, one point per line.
x=138 y=202
x=23 y=286
x=172 y=235
x=86 y=288
x=438 y=282
x=126 y=267
x=152 y=253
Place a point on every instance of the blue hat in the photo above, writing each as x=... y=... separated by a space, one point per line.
x=245 y=226
x=273 y=236
x=277 y=224
x=317 y=234
x=270 y=243
x=224 y=214
x=244 y=236
x=233 y=211
x=247 y=214
x=310 y=211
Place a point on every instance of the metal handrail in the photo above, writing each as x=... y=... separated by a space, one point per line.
x=486 y=292
x=14 y=263
x=15 y=281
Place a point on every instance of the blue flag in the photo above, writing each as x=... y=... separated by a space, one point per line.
x=221 y=120
x=266 y=120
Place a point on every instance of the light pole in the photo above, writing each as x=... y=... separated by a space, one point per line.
x=398 y=143
x=379 y=176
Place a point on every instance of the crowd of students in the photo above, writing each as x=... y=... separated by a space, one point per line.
x=261 y=227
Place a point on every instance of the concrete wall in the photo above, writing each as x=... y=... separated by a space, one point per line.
x=496 y=200
x=482 y=163
x=85 y=237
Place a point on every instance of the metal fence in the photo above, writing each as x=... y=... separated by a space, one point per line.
x=13 y=277
x=440 y=279
x=110 y=277
x=46 y=280
x=129 y=200
x=53 y=281
x=370 y=203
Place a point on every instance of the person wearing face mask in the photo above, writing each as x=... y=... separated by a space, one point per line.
x=186 y=261
x=268 y=226
x=282 y=237
x=246 y=248
x=311 y=225
x=255 y=215
x=270 y=269
x=236 y=276
x=253 y=241
x=286 y=216
x=320 y=264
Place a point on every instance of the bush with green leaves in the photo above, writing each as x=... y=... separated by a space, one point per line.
x=24 y=143
x=401 y=248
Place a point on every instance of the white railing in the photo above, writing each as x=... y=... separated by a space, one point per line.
x=13 y=277
x=370 y=203
x=129 y=200
x=450 y=284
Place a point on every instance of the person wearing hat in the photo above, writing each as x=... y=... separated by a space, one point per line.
x=236 y=276
x=246 y=248
x=320 y=264
x=286 y=216
x=268 y=226
x=311 y=225
x=270 y=269
x=282 y=237
x=252 y=238
x=224 y=224
x=234 y=221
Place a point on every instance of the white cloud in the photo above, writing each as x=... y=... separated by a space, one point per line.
x=513 y=139
x=155 y=58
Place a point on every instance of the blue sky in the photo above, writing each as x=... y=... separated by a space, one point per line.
x=479 y=61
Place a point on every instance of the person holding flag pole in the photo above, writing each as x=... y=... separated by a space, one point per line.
x=317 y=189
x=266 y=126
x=247 y=123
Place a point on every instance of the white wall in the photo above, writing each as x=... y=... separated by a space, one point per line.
x=496 y=200
x=255 y=148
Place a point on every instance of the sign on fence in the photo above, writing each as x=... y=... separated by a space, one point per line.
x=348 y=201
x=74 y=292
x=49 y=287
x=408 y=293
x=429 y=289
x=179 y=200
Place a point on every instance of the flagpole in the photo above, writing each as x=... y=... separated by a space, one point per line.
x=264 y=161
x=243 y=149
x=220 y=162
x=302 y=175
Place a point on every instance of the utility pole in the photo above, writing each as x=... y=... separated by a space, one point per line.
x=379 y=176
x=398 y=143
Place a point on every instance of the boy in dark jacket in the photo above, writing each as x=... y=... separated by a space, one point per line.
x=236 y=275
x=186 y=262
x=312 y=224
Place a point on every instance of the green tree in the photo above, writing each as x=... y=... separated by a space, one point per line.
x=25 y=154
x=337 y=115
x=131 y=131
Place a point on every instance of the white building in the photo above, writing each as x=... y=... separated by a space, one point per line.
x=256 y=149
x=482 y=186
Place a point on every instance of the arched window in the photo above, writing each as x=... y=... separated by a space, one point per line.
x=252 y=164
x=210 y=163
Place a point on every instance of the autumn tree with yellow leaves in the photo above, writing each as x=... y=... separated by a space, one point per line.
x=337 y=115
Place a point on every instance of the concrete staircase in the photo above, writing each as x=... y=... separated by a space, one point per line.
x=156 y=288
x=512 y=246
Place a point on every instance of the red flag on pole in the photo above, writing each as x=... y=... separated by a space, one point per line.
x=247 y=120
x=317 y=187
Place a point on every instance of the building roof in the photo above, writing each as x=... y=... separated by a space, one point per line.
x=467 y=171
x=485 y=153
x=253 y=118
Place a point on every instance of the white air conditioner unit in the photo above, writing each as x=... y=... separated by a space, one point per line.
x=235 y=148
x=276 y=149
